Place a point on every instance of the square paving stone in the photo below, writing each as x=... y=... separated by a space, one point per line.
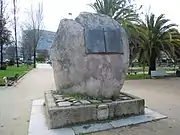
x=90 y=128
x=107 y=100
x=38 y=126
x=38 y=102
x=64 y=104
x=85 y=102
x=147 y=117
x=95 y=101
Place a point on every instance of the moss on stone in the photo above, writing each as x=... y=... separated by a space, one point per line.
x=79 y=96
x=67 y=86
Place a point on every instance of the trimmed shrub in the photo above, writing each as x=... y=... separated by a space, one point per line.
x=11 y=63
x=3 y=66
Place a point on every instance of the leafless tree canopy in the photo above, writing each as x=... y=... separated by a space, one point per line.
x=27 y=44
x=33 y=29
x=35 y=22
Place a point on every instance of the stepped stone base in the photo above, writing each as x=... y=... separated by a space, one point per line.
x=65 y=111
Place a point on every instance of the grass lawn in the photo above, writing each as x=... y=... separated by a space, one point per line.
x=145 y=76
x=140 y=69
x=137 y=76
x=11 y=71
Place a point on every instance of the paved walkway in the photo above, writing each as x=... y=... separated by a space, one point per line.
x=15 y=102
x=161 y=95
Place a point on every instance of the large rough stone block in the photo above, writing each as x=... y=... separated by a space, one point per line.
x=71 y=115
x=132 y=107
x=95 y=74
x=58 y=116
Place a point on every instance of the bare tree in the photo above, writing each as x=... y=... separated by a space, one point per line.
x=35 y=24
x=11 y=52
x=27 y=46
x=15 y=31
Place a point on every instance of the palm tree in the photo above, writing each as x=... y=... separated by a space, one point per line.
x=158 y=35
x=120 y=10
x=125 y=13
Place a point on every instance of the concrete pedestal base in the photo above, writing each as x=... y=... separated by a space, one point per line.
x=66 y=112
x=38 y=125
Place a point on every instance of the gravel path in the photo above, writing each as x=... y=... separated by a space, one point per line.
x=162 y=95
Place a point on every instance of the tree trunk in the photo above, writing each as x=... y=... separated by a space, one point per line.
x=34 y=57
x=1 y=54
x=152 y=64
x=15 y=32
x=23 y=53
x=1 y=32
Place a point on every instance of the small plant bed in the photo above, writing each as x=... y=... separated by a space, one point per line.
x=13 y=73
x=77 y=99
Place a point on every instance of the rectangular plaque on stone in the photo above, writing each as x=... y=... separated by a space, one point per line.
x=94 y=40
x=104 y=41
x=113 y=41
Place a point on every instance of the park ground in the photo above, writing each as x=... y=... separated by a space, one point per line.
x=11 y=71
x=161 y=95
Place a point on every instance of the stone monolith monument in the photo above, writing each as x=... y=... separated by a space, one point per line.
x=90 y=55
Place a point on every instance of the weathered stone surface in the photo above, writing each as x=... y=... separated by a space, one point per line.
x=67 y=98
x=102 y=112
x=79 y=113
x=72 y=99
x=64 y=116
x=85 y=102
x=125 y=98
x=64 y=104
x=49 y=100
x=129 y=107
x=60 y=100
x=77 y=103
x=107 y=100
x=98 y=75
x=112 y=107
x=95 y=101
x=58 y=97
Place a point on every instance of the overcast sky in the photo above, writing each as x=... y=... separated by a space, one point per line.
x=55 y=10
